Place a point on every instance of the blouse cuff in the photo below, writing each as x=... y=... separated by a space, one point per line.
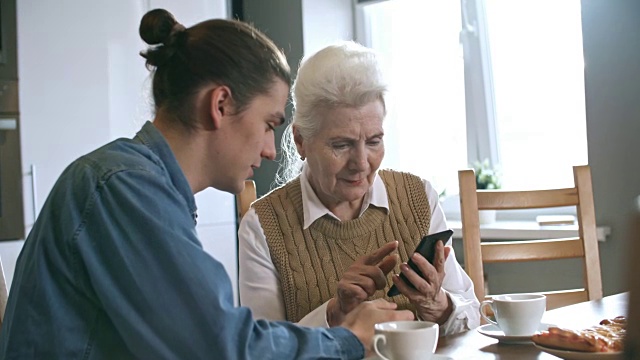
x=316 y=318
x=459 y=319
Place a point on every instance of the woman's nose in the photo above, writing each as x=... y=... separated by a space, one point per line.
x=358 y=159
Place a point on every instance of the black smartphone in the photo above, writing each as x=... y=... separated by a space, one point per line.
x=426 y=248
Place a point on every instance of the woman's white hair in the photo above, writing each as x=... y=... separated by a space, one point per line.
x=345 y=74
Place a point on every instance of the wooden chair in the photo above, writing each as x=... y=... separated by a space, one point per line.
x=245 y=198
x=4 y=293
x=585 y=246
x=632 y=338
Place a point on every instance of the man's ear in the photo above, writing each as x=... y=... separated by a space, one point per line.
x=221 y=105
x=297 y=138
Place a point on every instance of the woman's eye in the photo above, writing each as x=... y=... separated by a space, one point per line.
x=340 y=146
x=271 y=127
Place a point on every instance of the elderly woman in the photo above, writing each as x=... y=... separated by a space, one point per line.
x=329 y=238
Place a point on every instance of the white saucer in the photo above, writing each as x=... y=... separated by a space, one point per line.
x=493 y=331
x=578 y=355
x=433 y=357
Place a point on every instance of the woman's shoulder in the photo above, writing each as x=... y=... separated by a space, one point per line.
x=388 y=175
x=281 y=189
x=423 y=183
x=290 y=191
x=402 y=178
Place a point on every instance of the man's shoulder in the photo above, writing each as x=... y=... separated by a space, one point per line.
x=95 y=169
x=118 y=156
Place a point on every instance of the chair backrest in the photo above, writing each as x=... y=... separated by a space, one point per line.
x=632 y=338
x=585 y=246
x=245 y=198
x=4 y=293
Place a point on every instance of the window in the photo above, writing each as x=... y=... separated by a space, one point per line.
x=481 y=79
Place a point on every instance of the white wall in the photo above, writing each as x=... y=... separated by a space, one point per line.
x=611 y=33
x=83 y=84
x=325 y=22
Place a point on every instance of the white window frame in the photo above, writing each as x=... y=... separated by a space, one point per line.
x=482 y=135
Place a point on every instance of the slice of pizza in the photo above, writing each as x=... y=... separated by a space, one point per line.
x=606 y=337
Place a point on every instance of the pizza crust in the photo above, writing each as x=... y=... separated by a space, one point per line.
x=608 y=336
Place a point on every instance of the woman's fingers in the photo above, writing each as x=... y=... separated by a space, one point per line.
x=440 y=256
x=379 y=254
x=388 y=263
x=368 y=282
x=366 y=275
x=432 y=274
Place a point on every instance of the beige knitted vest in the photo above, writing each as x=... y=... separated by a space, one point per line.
x=311 y=261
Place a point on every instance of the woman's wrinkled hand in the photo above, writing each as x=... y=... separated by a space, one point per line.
x=431 y=302
x=361 y=280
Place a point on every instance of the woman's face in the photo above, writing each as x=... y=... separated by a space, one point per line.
x=345 y=153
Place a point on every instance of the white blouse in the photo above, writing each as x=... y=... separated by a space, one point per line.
x=260 y=282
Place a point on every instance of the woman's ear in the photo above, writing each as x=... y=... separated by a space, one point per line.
x=297 y=138
x=221 y=105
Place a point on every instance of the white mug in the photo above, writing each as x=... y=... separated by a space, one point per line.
x=406 y=340
x=516 y=314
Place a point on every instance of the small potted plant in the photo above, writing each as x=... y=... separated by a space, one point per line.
x=487 y=178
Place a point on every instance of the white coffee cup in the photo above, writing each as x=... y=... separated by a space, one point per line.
x=516 y=314
x=406 y=340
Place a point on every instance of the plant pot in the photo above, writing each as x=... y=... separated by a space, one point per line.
x=487 y=216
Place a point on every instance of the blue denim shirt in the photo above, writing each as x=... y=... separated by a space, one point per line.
x=113 y=269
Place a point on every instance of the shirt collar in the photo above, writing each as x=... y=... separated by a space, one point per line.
x=313 y=208
x=154 y=140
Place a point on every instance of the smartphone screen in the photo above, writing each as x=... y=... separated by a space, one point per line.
x=426 y=248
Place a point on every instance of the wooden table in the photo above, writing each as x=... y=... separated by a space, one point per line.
x=473 y=345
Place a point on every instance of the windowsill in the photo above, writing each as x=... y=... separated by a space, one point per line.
x=525 y=230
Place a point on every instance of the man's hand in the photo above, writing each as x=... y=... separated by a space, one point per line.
x=362 y=318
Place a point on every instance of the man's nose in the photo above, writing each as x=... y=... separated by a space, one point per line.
x=269 y=149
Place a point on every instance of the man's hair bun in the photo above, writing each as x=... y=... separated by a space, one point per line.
x=156 y=26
